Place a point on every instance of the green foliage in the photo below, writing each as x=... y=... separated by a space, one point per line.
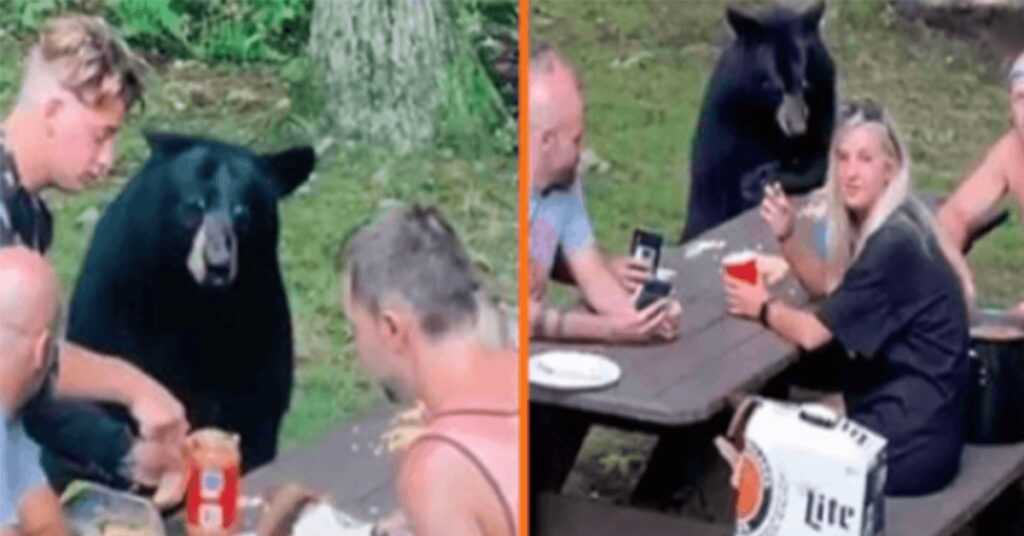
x=480 y=86
x=208 y=30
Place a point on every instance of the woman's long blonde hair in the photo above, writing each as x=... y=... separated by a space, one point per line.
x=846 y=239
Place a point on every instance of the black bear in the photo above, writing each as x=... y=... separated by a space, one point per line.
x=182 y=279
x=767 y=115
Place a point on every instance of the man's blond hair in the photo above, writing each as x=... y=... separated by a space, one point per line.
x=85 y=56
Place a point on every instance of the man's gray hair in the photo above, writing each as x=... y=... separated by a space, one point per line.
x=412 y=254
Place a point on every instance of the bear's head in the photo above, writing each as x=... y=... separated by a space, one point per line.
x=220 y=202
x=782 y=59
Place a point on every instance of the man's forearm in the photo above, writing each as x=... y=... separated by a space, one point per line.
x=83 y=440
x=87 y=374
x=954 y=226
x=40 y=514
x=578 y=325
x=809 y=268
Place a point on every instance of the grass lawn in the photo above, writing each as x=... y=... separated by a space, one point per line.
x=260 y=108
x=645 y=63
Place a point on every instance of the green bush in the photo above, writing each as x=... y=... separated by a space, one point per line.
x=237 y=31
x=480 y=86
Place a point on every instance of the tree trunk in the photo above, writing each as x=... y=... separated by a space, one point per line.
x=382 y=63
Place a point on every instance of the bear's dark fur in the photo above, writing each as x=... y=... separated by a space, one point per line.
x=768 y=114
x=182 y=279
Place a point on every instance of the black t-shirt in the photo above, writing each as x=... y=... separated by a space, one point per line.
x=78 y=438
x=24 y=217
x=901 y=314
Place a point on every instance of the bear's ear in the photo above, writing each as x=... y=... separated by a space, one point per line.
x=167 y=144
x=741 y=24
x=290 y=168
x=811 y=20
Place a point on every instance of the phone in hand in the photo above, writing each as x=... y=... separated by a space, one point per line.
x=652 y=291
x=646 y=247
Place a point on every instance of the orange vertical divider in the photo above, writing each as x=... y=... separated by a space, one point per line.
x=524 y=283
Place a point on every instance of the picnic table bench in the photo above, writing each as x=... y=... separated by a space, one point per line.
x=985 y=472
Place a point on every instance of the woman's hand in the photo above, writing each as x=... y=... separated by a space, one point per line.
x=743 y=299
x=777 y=212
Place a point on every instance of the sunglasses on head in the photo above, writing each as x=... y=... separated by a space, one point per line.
x=866 y=108
x=869 y=110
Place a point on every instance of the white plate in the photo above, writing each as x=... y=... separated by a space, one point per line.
x=568 y=370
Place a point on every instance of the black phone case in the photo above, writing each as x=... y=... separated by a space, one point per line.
x=651 y=292
x=647 y=239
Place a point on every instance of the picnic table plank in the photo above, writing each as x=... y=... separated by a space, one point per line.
x=656 y=376
x=570 y=516
x=749 y=366
x=350 y=465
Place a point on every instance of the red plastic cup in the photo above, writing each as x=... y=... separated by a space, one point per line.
x=741 y=265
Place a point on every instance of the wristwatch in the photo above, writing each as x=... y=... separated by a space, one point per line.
x=762 y=315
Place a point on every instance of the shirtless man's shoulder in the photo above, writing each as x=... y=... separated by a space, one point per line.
x=1008 y=153
x=442 y=493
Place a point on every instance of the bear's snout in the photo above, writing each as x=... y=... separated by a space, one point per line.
x=792 y=115
x=213 y=260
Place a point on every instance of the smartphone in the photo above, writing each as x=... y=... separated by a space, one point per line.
x=652 y=291
x=646 y=246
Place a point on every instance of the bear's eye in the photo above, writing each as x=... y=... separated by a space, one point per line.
x=240 y=214
x=192 y=212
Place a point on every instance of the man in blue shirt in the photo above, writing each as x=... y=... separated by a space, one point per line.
x=28 y=318
x=559 y=222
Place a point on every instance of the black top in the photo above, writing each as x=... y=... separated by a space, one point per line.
x=72 y=433
x=901 y=315
x=24 y=217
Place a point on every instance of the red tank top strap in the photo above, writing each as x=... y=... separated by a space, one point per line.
x=473 y=459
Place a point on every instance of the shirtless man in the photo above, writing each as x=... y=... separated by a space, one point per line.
x=421 y=323
x=999 y=174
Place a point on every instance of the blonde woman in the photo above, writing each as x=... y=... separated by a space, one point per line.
x=895 y=299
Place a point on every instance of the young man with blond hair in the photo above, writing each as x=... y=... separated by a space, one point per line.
x=80 y=80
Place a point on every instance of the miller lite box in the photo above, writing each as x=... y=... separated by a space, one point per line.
x=802 y=470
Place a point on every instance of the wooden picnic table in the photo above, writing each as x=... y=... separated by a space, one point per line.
x=672 y=388
x=350 y=466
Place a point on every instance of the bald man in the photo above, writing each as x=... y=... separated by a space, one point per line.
x=30 y=336
x=559 y=222
x=28 y=311
x=999 y=174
